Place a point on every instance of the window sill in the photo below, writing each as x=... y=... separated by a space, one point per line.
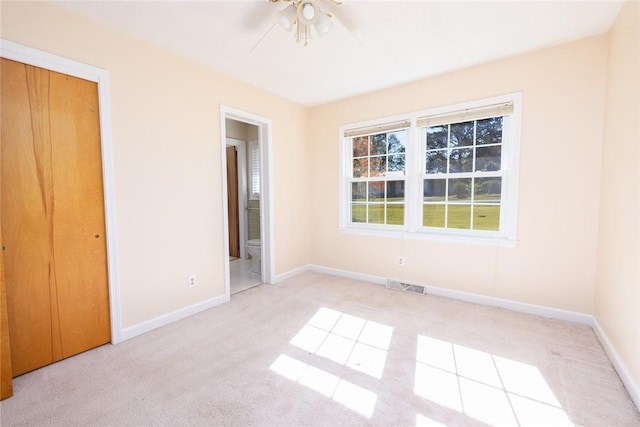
x=403 y=233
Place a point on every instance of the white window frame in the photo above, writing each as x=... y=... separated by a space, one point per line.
x=412 y=228
x=386 y=128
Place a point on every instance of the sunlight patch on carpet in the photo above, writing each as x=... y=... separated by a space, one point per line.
x=346 y=340
x=488 y=388
x=358 y=343
x=341 y=391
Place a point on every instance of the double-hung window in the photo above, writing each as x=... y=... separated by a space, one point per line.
x=446 y=172
x=378 y=174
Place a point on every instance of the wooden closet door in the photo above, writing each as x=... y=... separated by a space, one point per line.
x=52 y=216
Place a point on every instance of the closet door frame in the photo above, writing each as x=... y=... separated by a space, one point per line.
x=20 y=53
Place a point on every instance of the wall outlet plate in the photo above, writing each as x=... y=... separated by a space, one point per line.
x=192 y=281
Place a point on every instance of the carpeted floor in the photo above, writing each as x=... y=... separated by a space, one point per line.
x=318 y=350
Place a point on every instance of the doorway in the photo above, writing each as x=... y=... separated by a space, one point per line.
x=245 y=156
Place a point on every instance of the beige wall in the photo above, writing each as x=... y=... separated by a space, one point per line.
x=617 y=295
x=166 y=138
x=554 y=262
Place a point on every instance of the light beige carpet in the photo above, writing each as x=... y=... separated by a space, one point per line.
x=317 y=350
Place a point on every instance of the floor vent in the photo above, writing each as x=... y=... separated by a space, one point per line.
x=407 y=287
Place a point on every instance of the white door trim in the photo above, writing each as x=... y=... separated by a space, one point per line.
x=38 y=58
x=266 y=197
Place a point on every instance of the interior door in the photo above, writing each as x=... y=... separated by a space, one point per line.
x=52 y=216
x=232 y=202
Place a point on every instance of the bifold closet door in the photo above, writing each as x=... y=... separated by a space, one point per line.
x=52 y=216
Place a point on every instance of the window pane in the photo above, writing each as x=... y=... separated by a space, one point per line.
x=358 y=213
x=395 y=214
x=436 y=161
x=433 y=215
x=459 y=216
x=461 y=160
x=489 y=131
x=437 y=137
x=488 y=190
x=395 y=165
x=397 y=142
x=461 y=134
x=460 y=189
x=434 y=190
x=376 y=191
x=395 y=191
x=379 y=144
x=378 y=166
x=488 y=158
x=359 y=191
x=360 y=168
x=360 y=146
x=486 y=217
x=376 y=213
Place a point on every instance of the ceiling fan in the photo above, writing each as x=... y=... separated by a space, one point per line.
x=305 y=17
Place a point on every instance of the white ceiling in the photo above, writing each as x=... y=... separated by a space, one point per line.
x=377 y=44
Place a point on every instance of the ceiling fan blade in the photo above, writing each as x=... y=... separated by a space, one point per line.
x=260 y=13
x=344 y=13
x=263 y=36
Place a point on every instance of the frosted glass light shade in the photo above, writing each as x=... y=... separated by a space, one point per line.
x=323 y=23
x=288 y=17
x=307 y=12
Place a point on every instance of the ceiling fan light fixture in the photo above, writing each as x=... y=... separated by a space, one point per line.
x=323 y=23
x=307 y=12
x=305 y=17
x=288 y=17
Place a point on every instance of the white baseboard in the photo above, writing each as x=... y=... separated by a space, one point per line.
x=174 y=316
x=289 y=274
x=349 y=274
x=522 y=307
x=633 y=388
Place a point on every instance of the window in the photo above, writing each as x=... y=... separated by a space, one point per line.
x=448 y=172
x=377 y=181
x=254 y=170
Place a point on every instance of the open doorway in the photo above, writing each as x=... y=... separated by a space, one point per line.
x=245 y=156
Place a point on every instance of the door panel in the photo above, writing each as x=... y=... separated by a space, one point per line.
x=232 y=202
x=27 y=214
x=6 y=384
x=56 y=276
x=79 y=229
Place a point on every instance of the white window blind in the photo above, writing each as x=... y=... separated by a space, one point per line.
x=254 y=170
x=376 y=129
x=467 y=115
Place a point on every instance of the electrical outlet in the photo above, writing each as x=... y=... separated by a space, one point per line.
x=192 y=281
x=401 y=261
